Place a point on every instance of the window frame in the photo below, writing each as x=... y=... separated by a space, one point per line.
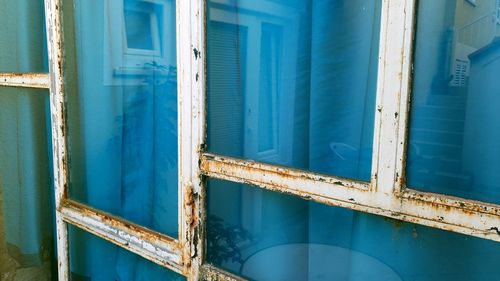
x=386 y=194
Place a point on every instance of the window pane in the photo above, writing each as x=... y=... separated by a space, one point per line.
x=95 y=259
x=293 y=82
x=454 y=143
x=27 y=244
x=122 y=109
x=263 y=235
x=22 y=36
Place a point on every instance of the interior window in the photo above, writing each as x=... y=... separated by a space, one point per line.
x=291 y=86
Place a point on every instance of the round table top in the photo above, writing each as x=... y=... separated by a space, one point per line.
x=308 y=262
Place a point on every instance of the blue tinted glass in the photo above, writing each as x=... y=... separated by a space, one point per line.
x=122 y=108
x=138 y=28
x=22 y=36
x=27 y=244
x=454 y=140
x=293 y=82
x=94 y=259
x=263 y=235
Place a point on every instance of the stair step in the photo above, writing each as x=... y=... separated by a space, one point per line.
x=440 y=112
x=425 y=162
x=440 y=179
x=447 y=100
x=435 y=136
x=436 y=150
x=438 y=124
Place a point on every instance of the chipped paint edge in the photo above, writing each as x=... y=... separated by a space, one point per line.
x=383 y=197
x=57 y=109
x=156 y=247
x=426 y=209
x=25 y=80
x=211 y=273
x=191 y=61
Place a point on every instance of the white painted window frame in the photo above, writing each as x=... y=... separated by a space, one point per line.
x=385 y=195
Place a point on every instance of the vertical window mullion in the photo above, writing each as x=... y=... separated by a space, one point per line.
x=392 y=98
x=191 y=78
x=57 y=107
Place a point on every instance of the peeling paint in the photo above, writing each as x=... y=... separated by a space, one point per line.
x=140 y=240
x=211 y=273
x=25 y=80
x=385 y=195
x=455 y=214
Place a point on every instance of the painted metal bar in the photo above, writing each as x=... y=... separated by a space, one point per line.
x=57 y=110
x=198 y=121
x=147 y=243
x=282 y=177
x=191 y=78
x=439 y=211
x=25 y=80
x=184 y=115
x=451 y=202
x=212 y=273
x=404 y=79
x=392 y=96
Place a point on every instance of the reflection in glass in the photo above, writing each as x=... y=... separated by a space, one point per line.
x=122 y=109
x=264 y=235
x=27 y=244
x=138 y=29
x=293 y=82
x=114 y=263
x=22 y=36
x=454 y=140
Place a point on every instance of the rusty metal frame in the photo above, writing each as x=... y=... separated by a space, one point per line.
x=385 y=195
x=153 y=246
x=25 y=80
x=57 y=111
x=174 y=254
x=191 y=77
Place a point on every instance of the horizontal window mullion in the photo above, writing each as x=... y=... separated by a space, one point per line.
x=477 y=219
x=212 y=273
x=25 y=80
x=452 y=202
x=149 y=244
x=434 y=210
x=278 y=176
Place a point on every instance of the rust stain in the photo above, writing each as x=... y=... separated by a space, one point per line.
x=220 y=163
x=279 y=179
x=25 y=80
x=108 y=219
x=211 y=273
x=437 y=201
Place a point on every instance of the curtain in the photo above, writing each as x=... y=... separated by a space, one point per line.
x=122 y=124
x=26 y=197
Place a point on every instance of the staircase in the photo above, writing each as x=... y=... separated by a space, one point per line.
x=436 y=139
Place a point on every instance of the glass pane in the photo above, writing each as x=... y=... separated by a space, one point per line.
x=263 y=235
x=122 y=109
x=293 y=82
x=23 y=46
x=454 y=142
x=95 y=259
x=27 y=244
x=138 y=29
